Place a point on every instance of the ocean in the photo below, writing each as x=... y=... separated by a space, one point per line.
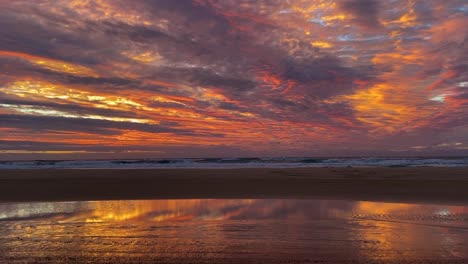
x=206 y=163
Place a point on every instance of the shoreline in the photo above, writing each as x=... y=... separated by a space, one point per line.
x=438 y=185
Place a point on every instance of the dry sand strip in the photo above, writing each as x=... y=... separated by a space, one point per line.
x=419 y=185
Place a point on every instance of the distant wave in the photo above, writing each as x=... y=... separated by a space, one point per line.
x=246 y=162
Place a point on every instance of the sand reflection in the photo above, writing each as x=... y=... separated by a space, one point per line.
x=397 y=232
x=195 y=230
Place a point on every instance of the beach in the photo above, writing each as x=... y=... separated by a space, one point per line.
x=300 y=215
x=420 y=185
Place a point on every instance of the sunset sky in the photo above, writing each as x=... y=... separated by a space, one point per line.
x=204 y=78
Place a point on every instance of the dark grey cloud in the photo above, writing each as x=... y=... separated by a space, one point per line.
x=39 y=145
x=24 y=34
x=322 y=77
x=424 y=13
x=119 y=152
x=115 y=82
x=29 y=145
x=49 y=123
x=207 y=78
x=231 y=106
x=190 y=14
x=365 y=12
x=461 y=94
x=15 y=67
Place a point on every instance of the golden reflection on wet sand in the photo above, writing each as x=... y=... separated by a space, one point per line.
x=231 y=231
x=411 y=231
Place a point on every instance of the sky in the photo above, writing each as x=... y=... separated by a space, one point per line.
x=227 y=78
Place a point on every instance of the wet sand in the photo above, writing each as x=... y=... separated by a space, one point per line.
x=421 y=185
x=232 y=231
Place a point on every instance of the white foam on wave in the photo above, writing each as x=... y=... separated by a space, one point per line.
x=237 y=163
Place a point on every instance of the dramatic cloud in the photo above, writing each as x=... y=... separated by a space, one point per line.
x=364 y=12
x=227 y=78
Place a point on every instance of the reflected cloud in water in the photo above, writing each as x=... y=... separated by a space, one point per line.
x=195 y=230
